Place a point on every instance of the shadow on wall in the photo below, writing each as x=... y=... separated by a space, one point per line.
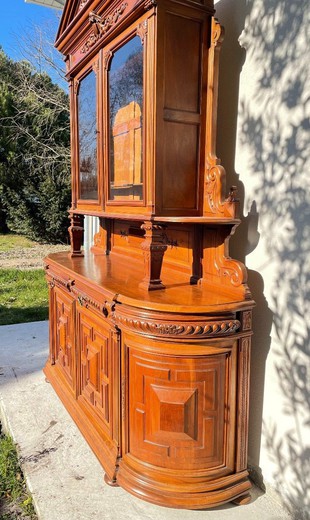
x=273 y=136
x=246 y=238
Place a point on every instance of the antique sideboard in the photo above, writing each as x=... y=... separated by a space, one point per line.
x=150 y=329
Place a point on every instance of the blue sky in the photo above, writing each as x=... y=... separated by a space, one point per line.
x=16 y=18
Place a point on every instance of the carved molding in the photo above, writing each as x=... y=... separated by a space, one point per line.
x=101 y=25
x=246 y=319
x=142 y=31
x=76 y=84
x=60 y=282
x=106 y=59
x=189 y=330
x=123 y=398
x=95 y=67
x=107 y=308
x=91 y=40
x=243 y=403
x=82 y=4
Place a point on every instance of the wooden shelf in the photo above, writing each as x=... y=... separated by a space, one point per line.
x=175 y=219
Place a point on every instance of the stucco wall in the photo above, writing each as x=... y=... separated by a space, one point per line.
x=263 y=141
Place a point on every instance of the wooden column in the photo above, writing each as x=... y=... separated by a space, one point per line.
x=154 y=248
x=76 y=233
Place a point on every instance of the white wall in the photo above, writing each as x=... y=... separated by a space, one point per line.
x=263 y=141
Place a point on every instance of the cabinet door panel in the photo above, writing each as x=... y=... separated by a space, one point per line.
x=64 y=353
x=180 y=409
x=95 y=367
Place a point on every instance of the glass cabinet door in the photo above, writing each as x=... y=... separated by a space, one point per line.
x=87 y=137
x=125 y=87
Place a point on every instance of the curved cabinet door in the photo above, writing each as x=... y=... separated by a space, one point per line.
x=179 y=410
x=181 y=407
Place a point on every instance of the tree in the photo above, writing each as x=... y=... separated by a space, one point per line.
x=34 y=152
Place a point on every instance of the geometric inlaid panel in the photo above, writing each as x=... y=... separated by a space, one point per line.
x=95 y=365
x=179 y=409
x=64 y=350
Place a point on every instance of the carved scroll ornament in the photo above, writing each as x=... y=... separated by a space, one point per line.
x=215 y=175
x=101 y=25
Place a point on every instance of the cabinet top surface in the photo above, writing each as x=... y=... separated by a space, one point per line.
x=118 y=279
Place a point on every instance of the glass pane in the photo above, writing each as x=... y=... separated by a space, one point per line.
x=87 y=121
x=126 y=104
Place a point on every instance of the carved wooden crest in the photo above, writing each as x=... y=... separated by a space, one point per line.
x=101 y=25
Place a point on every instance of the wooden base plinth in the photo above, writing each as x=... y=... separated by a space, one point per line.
x=184 y=490
x=76 y=254
x=152 y=285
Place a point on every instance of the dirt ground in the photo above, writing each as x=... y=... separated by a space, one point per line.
x=28 y=257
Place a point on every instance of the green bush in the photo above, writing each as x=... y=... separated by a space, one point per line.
x=34 y=153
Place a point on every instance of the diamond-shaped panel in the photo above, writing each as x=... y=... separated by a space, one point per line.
x=177 y=410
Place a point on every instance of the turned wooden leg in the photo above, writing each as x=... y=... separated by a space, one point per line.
x=76 y=233
x=242 y=500
x=153 y=248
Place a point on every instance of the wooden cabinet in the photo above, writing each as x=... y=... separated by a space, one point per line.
x=150 y=329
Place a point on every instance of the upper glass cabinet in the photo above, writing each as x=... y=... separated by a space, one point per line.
x=125 y=89
x=87 y=137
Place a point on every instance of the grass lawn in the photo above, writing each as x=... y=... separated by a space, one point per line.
x=15 y=500
x=23 y=296
x=11 y=241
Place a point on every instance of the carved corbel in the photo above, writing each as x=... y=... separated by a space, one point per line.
x=218 y=267
x=142 y=31
x=106 y=59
